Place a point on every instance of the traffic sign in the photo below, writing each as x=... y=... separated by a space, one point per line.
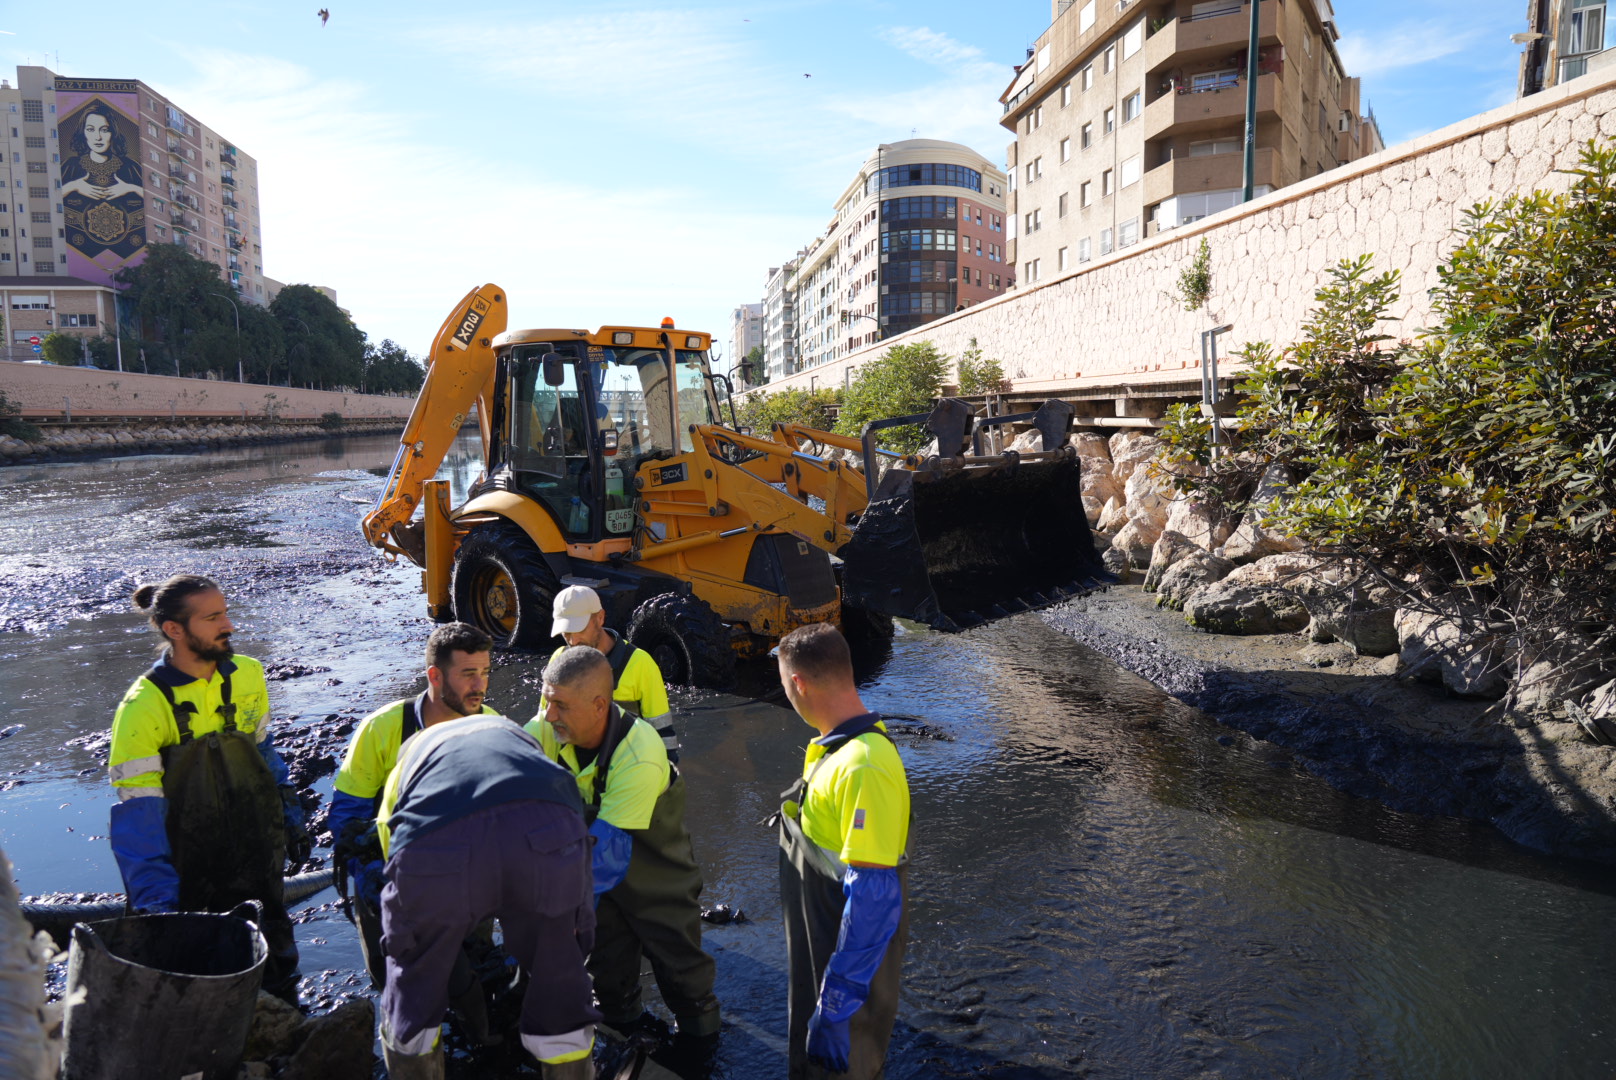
x=34 y=340
x=38 y=348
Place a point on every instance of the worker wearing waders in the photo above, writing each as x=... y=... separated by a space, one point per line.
x=478 y=824
x=647 y=883
x=458 y=658
x=844 y=834
x=205 y=817
x=637 y=685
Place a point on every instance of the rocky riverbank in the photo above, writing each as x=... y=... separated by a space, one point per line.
x=1406 y=705
x=86 y=440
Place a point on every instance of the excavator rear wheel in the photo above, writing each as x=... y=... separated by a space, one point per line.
x=687 y=640
x=502 y=586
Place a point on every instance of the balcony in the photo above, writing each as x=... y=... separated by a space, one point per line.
x=1210 y=172
x=177 y=171
x=1186 y=42
x=237 y=242
x=230 y=223
x=1223 y=109
x=228 y=157
x=230 y=201
x=178 y=218
x=173 y=146
x=226 y=179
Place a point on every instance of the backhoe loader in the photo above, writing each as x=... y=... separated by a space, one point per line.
x=608 y=462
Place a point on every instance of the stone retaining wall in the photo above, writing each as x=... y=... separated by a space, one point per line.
x=48 y=391
x=1114 y=325
x=62 y=441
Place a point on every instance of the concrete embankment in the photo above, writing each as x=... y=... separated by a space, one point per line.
x=64 y=441
x=1351 y=721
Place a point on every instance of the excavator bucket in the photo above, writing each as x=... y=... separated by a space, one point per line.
x=963 y=540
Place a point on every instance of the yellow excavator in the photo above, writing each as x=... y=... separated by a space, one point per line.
x=608 y=462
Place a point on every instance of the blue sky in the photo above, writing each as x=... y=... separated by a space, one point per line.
x=617 y=162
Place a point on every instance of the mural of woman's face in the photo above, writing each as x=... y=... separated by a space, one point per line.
x=98 y=133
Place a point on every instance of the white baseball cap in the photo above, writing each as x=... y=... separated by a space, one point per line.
x=573 y=607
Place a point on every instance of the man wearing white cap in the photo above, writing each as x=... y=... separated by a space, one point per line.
x=637 y=681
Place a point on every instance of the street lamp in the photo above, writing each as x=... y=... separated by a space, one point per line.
x=1250 y=164
x=237 y=311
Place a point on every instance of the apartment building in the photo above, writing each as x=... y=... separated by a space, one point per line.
x=745 y=332
x=1564 y=39
x=1129 y=119
x=97 y=169
x=779 y=324
x=918 y=232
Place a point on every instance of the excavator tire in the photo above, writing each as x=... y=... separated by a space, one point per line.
x=502 y=586
x=686 y=639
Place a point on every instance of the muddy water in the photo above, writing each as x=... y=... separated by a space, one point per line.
x=1105 y=883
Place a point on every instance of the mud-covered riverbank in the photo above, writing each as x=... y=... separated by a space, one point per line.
x=1356 y=724
x=73 y=442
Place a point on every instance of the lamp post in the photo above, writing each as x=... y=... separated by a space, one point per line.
x=237 y=312
x=1250 y=171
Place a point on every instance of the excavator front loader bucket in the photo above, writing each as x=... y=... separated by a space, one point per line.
x=963 y=540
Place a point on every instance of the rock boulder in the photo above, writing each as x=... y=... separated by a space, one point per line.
x=1444 y=641
x=1196 y=522
x=1258 y=598
x=1170 y=548
x=1194 y=571
x=1136 y=539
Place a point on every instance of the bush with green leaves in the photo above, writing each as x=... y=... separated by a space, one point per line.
x=811 y=408
x=63 y=349
x=11 y=422
x=980 y=375
x=906 y=379
x=1477 y=462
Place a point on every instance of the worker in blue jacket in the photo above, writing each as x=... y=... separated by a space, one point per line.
x=206 y=817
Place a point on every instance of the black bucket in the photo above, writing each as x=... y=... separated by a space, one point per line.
x=162 y=997
x=957 y=549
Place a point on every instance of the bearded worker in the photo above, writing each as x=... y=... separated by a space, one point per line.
x=206 y=817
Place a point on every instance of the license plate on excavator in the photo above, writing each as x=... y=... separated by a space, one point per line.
x=955 y=548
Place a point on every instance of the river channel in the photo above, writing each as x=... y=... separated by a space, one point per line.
x=1105 y=883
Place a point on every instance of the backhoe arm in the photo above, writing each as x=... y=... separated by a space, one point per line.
x=460 y=369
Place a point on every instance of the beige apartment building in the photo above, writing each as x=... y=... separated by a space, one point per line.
x=1564 y=39
x=918 y=232
x=1129 y=120
x=97 y=169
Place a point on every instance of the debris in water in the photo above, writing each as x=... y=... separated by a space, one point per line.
x=7 y=732
x=722 y=914
x=281 y=670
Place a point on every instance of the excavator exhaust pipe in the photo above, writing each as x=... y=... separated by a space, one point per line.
x=967 y=538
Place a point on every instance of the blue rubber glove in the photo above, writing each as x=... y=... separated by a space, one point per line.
x=272 y=758
x=609 y=860
x=139 y=835
x=346 y=808
x=869 y=919
x=368 y=879
x=828 y=1043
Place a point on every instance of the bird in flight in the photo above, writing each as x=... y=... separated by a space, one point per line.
x=324 y=13
x=807 y=76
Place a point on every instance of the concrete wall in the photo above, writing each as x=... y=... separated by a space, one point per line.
x=1114 y=328
x=47 y=391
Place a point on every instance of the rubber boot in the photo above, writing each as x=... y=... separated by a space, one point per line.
x=582 y=1069
x=471 y=1009
x=402 y=1066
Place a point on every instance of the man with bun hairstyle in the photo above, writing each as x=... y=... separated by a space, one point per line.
x=458 y=659
x=844 y=839
x=205 y=817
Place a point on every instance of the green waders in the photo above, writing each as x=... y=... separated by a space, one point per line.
x=811 y=900
x=655 y=909
x=226 y=835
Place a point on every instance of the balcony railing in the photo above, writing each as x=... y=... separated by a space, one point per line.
x=230 y=201
x=177 y=171
x=1026 y=92
x=228 y=157
x=226 y=178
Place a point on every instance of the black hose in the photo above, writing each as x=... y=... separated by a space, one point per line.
x=58 y=919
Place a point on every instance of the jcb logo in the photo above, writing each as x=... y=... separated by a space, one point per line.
x=469 y=322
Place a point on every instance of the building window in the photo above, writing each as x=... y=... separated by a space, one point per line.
x=1222 y=79
x=1107 y=183
x=1085 y=193
x=1085 y=137
x=1128 y=233
x=1131 y=106
x=1035 y=169
x=1215 y=146
x=924 y=174
x=1211 y=9
x=1085 y=17
x=1030 y=270
x=1060 y=205
x=1066 y=94
x=1105 y=241
x=40 y=219
x=1084 y=250
x=1108 y=59
x=1109 y=117
x=1060 y=257
x=1066 y=149
x=1130 y=170
x=1134 y=39
x=1087 y=76
x=1035 y=221
x=33 y=111
x=78 y=320
x=1038 y=118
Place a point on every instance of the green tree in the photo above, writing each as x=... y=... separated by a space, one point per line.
x=63 y=349
x=905 y=379
x=978 y=375
x=172 y=295
x=810 y=408
x=11 y=422
x=390 y=369
x=752 y=367
x=324 y=348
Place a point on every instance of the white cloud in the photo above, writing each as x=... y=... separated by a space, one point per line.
x=934 y=47
x=1406 y=45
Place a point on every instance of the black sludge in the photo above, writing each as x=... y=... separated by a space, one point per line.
x=954 y=551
